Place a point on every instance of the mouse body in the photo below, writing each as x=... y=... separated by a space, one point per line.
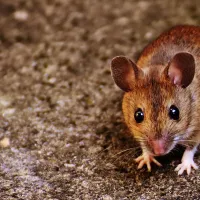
x=161 y=104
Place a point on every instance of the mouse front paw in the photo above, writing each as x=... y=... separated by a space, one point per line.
x=187 y=162
x=186 y=165
x=146 y=159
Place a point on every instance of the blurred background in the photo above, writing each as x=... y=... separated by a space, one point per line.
x=61 y=126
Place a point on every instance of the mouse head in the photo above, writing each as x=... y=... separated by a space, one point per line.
x=157 y=103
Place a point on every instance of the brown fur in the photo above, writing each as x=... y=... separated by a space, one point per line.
x=154 y=93
x=179 y=38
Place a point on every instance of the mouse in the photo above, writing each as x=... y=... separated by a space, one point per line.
x=161 y=102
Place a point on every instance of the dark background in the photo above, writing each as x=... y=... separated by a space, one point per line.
x=61 y=127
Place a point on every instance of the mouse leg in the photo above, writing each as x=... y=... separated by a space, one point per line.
x=187 y=161
x=146 y=159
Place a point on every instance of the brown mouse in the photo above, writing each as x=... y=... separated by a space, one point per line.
x=161 y=104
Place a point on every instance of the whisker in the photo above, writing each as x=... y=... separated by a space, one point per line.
x=103 y=150
x=135 y=153
x=121 y=156
x=183 y=140
x=124 y=151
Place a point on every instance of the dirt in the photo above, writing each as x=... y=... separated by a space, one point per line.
x=62 y=134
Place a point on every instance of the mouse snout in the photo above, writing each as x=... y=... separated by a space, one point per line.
x=158 y=147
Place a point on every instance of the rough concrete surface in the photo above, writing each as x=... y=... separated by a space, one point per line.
x=61 y=128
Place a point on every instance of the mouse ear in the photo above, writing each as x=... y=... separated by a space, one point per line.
x=181 y=69
x=124 y=72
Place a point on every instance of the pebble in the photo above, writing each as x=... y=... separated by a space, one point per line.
x=69 y=165
x=107 y=197
x=5 y=142
x=21 y=15
x=9 y=112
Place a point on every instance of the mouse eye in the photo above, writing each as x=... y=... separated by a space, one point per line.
x=174 y=112
x=139 y=115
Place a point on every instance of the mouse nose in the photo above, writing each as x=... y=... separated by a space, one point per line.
x=158 y=147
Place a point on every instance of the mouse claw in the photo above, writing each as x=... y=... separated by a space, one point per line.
x=146 y=159
x=186 y=166
x=187 y=162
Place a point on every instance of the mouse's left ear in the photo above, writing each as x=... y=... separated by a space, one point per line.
x=181 y=69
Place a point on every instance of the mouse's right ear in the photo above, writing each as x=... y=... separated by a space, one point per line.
x=124 y=72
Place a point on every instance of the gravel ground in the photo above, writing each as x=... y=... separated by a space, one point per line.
x=62 y=135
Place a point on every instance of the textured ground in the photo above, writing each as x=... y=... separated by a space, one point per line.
x=61 y=126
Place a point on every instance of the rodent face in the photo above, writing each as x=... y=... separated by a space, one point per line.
x=157 y=104
x=156 y=130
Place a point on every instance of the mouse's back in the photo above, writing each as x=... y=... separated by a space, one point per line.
x=183 y=38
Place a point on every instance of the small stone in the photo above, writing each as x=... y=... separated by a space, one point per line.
x=5 y=142
x=5 y=101
x=68 y=145
x=21 y=15
x=52 y=80
x=107 y=197
x=122 y=21
x=69 y=165
x=148 y=35
x=9 y=112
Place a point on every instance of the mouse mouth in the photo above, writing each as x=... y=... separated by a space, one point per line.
x=160 y=147
x=161 y=150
